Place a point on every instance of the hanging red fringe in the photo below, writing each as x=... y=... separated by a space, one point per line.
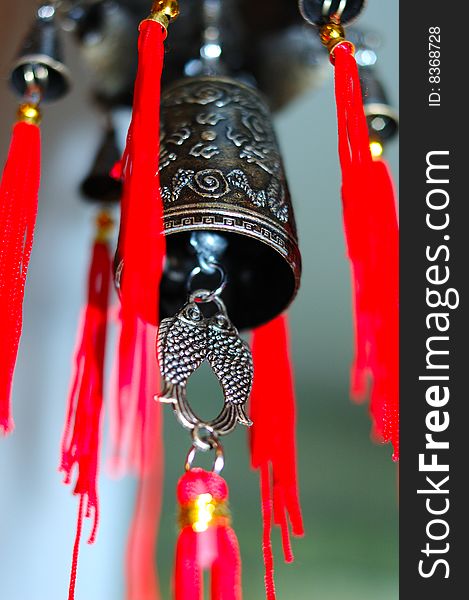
x=371 y=230
x=132 y=399
x=147 y=461
x=273 y=448
x=136 y=448
x=80 y=442
x=206 y=540
x=18 y=209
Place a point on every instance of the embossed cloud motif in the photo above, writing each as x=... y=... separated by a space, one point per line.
x=232 y=127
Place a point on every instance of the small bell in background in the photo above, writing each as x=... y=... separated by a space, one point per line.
x=38 y=75
x=382 y=118
x=39 y=64
x=99 y=185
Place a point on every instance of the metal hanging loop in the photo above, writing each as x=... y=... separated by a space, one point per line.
x=219 y=460
x=319 y=12
x=207 y=295
x=326 y=9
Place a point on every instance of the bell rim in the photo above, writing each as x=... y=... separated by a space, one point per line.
x=291 y=254
x=50 y=62
x=318 y=23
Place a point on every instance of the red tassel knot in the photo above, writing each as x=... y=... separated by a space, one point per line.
x=206 y=540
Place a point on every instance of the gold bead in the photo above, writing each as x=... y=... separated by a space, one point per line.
x=29 y=113
x=333 y=34
x=376 y=149
x=164 y=11
x=204 y=512
x=169 y=7
x=104 y=226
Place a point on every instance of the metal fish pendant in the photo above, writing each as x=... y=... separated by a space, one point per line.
x=181 y=348
x=231 y=361
x=185 y=341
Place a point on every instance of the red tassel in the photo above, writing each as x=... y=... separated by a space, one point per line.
x=136 y=438
x=142 y=212
x=143 y=255
x=144 y=241
x=142 y=209
x=372 y=235
x=135 y=383
x=206 y=540
x=146 y=460
x=80 y=443
x=273 y=448
x=18 y=209
x=188 y=578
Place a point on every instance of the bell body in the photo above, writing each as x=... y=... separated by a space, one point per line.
x=99 y=186
x=221 y=172
x=40 y=58
x=318 y=12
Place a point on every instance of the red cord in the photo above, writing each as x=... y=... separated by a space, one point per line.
x=266 y=501
x=18 y=209
x=76 y=550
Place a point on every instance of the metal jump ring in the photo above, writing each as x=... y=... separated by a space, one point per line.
x=118 y=277
x=204 y=296
x=204 y=443
x=215 y=293
x=218 y=463
x=327 y=7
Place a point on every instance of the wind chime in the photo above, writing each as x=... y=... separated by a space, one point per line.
x=207 y=247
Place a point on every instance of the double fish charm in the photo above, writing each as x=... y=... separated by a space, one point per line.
x=185 y=341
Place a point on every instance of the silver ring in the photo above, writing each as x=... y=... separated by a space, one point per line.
x=210 y=295
x=118 y=276
x=218 y=463
x=210 y=440
x=327 y=7
x=204 y=296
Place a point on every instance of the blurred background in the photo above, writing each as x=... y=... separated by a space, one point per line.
x=348 y=484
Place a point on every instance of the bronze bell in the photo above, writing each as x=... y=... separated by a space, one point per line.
x=221 y=173
x=99 y=186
